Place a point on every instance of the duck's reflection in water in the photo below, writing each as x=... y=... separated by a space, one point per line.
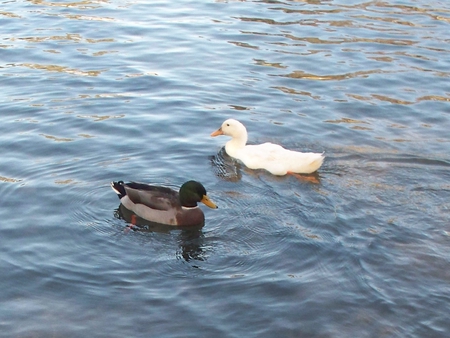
x=225 y=166
x=190 y=239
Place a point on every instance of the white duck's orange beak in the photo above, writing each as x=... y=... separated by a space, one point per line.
x=217 y=132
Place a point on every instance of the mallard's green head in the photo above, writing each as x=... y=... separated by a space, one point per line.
x=193 y=192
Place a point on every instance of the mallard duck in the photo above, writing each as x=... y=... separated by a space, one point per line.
x=271 y=157
x=163 y=205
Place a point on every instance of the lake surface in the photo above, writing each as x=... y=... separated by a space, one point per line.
x=96 y=91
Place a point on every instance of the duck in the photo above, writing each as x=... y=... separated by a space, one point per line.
x=269 y=156
x=164 y=205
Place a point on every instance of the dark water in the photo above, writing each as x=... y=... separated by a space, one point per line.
x=95 y=91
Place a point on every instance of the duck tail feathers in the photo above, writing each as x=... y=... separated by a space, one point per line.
x=119 y=188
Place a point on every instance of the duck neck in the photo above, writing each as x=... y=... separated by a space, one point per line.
x=236 y=143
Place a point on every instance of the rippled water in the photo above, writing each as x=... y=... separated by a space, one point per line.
x=95 y=91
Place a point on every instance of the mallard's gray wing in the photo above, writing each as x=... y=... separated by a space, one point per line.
x=152 y=196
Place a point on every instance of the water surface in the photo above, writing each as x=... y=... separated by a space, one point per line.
x=95 y=91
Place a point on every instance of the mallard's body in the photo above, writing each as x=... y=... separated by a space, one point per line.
x=163 y=205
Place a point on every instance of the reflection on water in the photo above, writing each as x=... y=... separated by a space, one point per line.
x=225 y=166
x=189 y=239
x=61 y=69
x=83 y=4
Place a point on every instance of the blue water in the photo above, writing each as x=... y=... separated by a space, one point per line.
x=95 y=91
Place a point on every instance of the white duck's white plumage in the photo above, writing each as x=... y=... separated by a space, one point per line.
x=271 y=157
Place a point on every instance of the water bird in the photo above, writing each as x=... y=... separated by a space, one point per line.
x=164 y=205
x=271 y=157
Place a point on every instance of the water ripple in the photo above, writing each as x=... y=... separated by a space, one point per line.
x=95 y=91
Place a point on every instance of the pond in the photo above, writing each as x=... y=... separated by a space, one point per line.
x=101 y=91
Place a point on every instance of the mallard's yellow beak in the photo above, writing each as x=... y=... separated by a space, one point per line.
x=206 y=201
x=217 y=132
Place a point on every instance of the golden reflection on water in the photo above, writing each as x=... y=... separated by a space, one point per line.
x=297 y=92
x=397 y=140
x=85 y=4
x=98 y=118
x=35 y=39
x=361 y=128
x=61 y=69
x=397 y=101
x=269 y=64
x=434 y=98
x=9 y=180
x=397 y=126
x=318 y=41
x=243 y=44
x=236 y=107
x=108 y=40
x=10 y=15
x=53 y=51
x=299 y=74
x=86 y=135
x=57 y=139
x=68 y=181
x=390 y=99
x=346 y=120
x=441 y=18
x=104 y=52
x=66 y=37
x=89 y=18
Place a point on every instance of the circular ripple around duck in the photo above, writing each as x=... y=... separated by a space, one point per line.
x=170 y=251
x=95 y=208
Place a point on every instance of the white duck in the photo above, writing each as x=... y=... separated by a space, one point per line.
x=272 y=157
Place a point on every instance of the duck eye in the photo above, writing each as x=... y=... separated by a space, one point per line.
x=228 y=124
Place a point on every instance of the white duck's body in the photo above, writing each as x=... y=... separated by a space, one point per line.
x=271 y=157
